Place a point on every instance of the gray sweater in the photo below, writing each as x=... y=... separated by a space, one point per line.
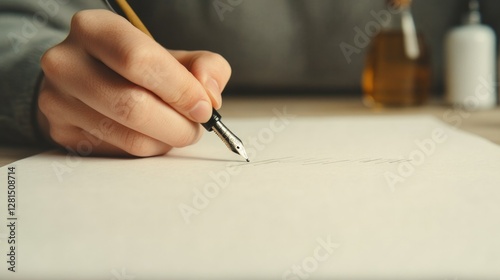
x=28 y=29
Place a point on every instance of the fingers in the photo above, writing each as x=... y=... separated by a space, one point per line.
x=139 y=59
x=211 y=69
x=114 y=97
x=90 y=133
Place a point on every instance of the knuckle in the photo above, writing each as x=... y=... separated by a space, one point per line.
x=136 y=56
x=59 y=135
x=90 y=25
x=131 y=107
x=222 y=64
x=51 y=61
x=184 y=98
x=187 y=137
x=135 y=143
x=218 y=59
x=208 y=55
x=44 y=101
x=47 y=102
x=81 y=21
x=215 y=59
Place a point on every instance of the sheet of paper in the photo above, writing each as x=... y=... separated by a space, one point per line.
x=353 y=197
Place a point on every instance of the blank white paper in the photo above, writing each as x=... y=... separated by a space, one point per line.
x=345 y=198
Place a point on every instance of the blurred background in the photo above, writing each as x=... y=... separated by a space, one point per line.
x=294 y=46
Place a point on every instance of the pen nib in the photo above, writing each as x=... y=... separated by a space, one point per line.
x=231 y=140
x=239 y=149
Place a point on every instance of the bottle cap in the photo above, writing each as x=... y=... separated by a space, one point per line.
x=399 y=4
x=474 y=16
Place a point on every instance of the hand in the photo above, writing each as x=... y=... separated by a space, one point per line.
x=109 y=89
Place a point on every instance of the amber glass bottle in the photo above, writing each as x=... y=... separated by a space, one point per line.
x=398 y=69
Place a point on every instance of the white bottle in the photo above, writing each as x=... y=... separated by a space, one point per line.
x=470 y=57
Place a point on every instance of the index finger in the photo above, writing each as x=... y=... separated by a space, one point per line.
x=141 y=60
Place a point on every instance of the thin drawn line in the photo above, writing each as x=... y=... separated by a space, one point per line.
x=271 y=160
x=399 y=161
x=371 y=160
x=311 y=163
x=297 y=159
x=337 y=161
x=307 y=161
x=340 y=160
x=384 y=161
x=266 y=162
x=262 y=162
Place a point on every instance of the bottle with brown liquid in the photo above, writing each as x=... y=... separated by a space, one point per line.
x=398 y=69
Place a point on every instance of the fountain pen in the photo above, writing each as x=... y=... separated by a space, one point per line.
x=215 y=124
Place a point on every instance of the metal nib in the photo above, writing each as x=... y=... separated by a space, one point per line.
x=231 y=140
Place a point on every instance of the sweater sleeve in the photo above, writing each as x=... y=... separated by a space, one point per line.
x=29 y=28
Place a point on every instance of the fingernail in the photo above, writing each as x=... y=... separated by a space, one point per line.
x=201 y=112
x=215 y=92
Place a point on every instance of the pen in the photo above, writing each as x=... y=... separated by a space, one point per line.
x=215 y=124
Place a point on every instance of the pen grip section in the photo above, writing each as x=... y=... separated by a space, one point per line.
x=212 y=121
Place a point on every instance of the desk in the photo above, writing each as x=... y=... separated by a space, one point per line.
x=484 y=123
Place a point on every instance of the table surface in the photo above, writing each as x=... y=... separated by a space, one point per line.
x=483 y=123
